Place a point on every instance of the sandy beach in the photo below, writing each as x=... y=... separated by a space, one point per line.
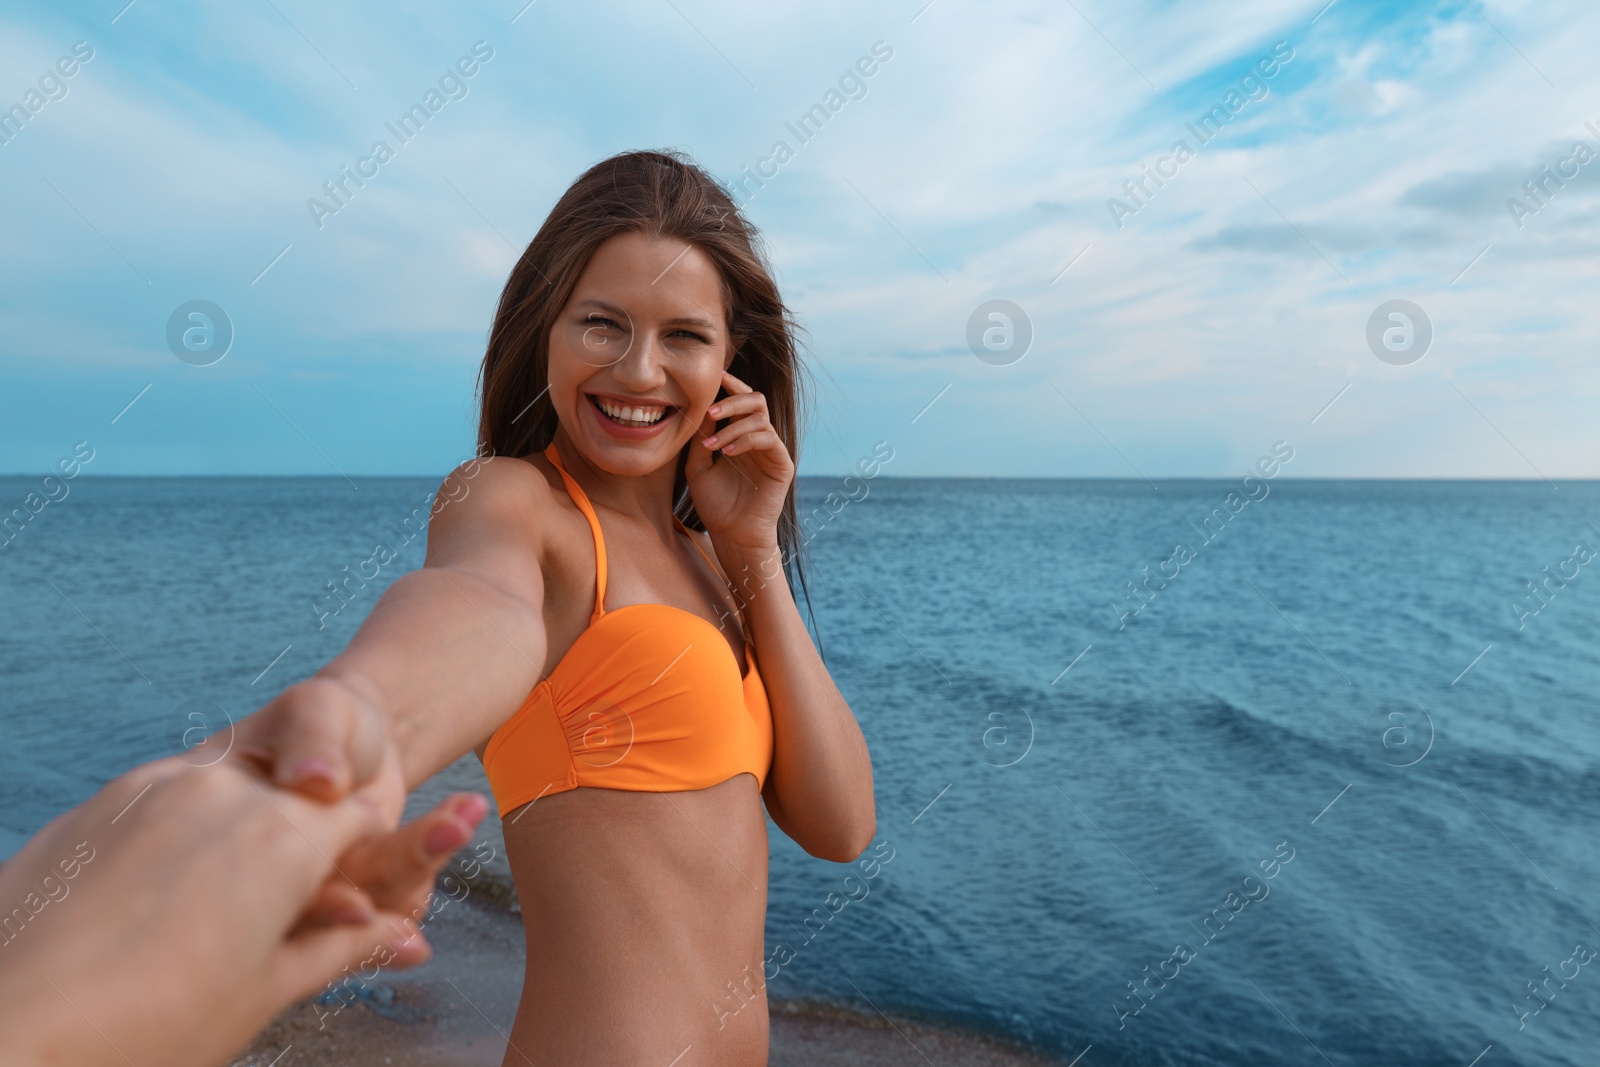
x=455 y=1010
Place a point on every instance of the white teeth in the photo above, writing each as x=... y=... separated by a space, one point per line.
x=637 y=415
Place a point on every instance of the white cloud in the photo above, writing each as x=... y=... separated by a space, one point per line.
x=989 y=143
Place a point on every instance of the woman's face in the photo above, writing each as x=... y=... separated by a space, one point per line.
x=637 y=354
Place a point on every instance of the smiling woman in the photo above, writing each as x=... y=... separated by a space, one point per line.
x=573 y=626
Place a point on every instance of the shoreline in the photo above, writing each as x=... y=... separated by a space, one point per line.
x=456 y=1010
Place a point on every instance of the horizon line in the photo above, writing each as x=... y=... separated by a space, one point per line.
x=30 y=475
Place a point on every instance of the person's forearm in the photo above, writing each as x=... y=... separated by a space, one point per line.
x=820 y=766
x=447 y=657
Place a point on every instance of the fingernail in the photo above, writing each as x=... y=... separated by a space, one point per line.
x=473 y=808
x=712 y=410
x=403 y=931
x=442 y=839
x=312 y=767
x=710 y=442
x=400 y=942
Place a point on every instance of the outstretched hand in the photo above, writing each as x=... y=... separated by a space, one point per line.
x=322 y=736
x=326 y=739
x=165 y=917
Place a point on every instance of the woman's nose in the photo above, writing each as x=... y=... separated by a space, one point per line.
x=640 y=368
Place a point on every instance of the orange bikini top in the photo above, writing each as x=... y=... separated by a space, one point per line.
x=649 y=697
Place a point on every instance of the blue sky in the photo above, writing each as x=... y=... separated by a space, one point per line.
x=1228 y=311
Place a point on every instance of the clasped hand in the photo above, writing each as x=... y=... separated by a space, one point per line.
x=178 y=910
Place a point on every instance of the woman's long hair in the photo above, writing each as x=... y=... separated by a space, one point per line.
x=660 y=194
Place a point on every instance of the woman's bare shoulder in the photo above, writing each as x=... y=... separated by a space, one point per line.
x=492 y=515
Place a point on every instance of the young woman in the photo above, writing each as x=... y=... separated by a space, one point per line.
x=605 y=617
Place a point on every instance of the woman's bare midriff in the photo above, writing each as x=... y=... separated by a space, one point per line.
x=643 y=912
x=639 y=910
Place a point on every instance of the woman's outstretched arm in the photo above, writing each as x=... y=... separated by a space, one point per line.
x=447 y=654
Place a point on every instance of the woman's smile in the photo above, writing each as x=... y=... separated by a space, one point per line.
x=630 y=418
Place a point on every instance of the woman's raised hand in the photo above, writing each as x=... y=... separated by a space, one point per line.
x=740 y=497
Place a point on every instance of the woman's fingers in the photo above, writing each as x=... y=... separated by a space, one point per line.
x=378 y=924
x=740 y=401
x=749 y=439
x=338 y=902
x=318 y=736
x=734 y=385
x=707 y=434
x=303 y=963
x=726 y=437
x=398 y=870
x=738 y=404
x=394 y=872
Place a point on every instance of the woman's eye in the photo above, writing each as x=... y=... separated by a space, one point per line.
x=691 y=335
x=599 y=320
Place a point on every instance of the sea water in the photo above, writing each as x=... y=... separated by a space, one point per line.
x=1184 y=773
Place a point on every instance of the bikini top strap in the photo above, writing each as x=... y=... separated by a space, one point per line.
x=696 y=542
x=575 y=491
